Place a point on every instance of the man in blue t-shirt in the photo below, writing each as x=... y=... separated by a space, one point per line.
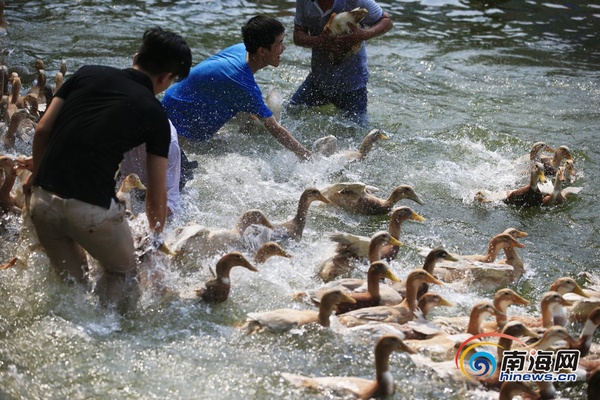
x=331 y=81
x=223 y=85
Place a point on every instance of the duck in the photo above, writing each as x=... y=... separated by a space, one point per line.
x=584 y=342
x=582 y=304
x=377 y=271
x=502 y=299
x=359 y=245
x=399 y=313
x=512 y=258
x=511 y=330
x=294 y=228
x=217 y=290
x=130 y=182
x=481 y=268
x=285 y=319
x=24 y=165
x=195 y=238
x=528 y=195
x=59 y=79
x=7 y=199
x=356 y=387
x=337 y=25
x=566 y=284
x=435 y=255
x=358 y=197
x=551 y=164
x=39 y=89
x=268 y=250
x=551 y=335
x=341 y=262
x=535 y=154
x=20 y=126
x=419 y=328
x=365 y=146
x=553 y=313
x=559 y=194
x=443 y=346
x=327 y=146
x=496 y=243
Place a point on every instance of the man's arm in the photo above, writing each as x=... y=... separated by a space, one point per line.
x=326 y=41
x=284 y=137
x=156 y=192
x=41 y=139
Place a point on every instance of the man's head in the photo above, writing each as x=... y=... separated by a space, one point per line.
x=163 y=51
x=261 y=31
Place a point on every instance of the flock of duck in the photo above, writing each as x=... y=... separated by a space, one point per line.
x=394 y=312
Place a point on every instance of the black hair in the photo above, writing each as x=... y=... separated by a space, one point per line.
x=261 y=31
x=164 y=51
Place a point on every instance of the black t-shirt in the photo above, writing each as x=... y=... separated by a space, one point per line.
x=107 y=112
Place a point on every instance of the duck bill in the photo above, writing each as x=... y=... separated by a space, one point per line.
x=518 y=244
x=390 y=275
x=578 y=290
x=406 y=348
x=542 y=177
x=520 y=300
x=395 y=242
x=250 y=267
x=347 y=299
x=415 y=197
x=264 y=222
x=140 y=185
x=528 y=332
x=163 y=248
x=284 y=253
x=549 y=149
x=417 y=217
x=324 y=199
x=445 y=303
x=521 y=234
x=450 y=257
x=432 y=279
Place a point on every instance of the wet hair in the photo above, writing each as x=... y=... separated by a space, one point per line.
x=164 y=51
x=261 y=31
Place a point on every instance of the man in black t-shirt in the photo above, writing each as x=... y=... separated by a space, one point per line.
x=99 y=114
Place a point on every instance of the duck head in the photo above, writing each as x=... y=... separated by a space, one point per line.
x=230 y=260
x=567 y=284
x=515 y=233
x=402 y=214
x=381 y=270
x=405 y=192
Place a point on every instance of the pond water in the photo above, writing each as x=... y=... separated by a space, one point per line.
x=462 y=88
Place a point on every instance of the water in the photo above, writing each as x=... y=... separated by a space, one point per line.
x=462 y=88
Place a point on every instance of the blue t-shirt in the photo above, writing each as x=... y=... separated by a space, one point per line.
x=214 y=91
x=352 y=73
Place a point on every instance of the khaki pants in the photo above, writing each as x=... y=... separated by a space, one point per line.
x=68 y=227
